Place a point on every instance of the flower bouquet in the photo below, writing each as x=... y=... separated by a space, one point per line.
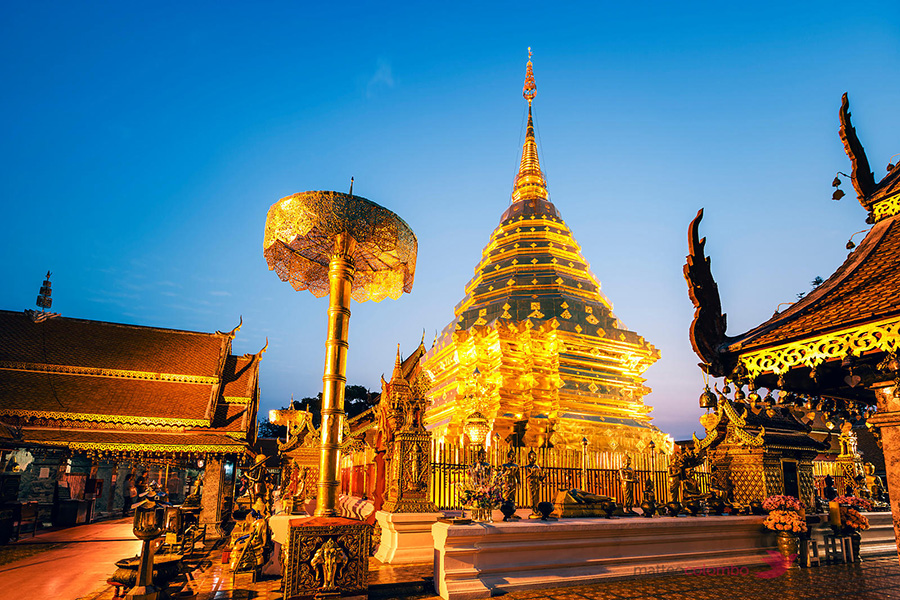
x=479 y=492
x=860 y=504
x=781 y=503
x=785 y=520
x=785 y=516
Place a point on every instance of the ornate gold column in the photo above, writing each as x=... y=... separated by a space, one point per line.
x=340 y=276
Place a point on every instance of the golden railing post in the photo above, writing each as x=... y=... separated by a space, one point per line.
x=340 y=276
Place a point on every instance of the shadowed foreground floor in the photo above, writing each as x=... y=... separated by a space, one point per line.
x=78 y=560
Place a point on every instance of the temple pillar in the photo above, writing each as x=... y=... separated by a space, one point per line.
x=887 y=419
x=211 y=500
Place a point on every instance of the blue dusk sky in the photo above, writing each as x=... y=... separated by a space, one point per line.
x=143 y=144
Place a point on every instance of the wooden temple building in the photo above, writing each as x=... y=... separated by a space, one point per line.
x=88 y=402
x=835 y=351
x=534 y=345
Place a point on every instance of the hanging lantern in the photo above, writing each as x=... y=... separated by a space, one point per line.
x=477 y=428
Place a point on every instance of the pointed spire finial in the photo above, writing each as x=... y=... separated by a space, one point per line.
x=529 y=90
x=398 y=374
x=351 y=186
x=530 y=183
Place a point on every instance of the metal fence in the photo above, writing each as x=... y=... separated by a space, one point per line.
x=594 y=472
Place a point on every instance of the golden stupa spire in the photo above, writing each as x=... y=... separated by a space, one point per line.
x=530 y=183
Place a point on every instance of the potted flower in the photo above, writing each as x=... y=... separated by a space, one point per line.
x=852 y=521
x=479 y=492
x=787 y=519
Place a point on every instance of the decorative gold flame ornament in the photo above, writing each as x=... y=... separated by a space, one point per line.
x=534 y=346
x=345 y=246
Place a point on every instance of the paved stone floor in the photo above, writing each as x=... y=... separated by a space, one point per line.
x=877 y=578
x=67 y=563
x=80 y=559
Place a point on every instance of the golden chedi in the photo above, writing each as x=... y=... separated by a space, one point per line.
x=534 y=345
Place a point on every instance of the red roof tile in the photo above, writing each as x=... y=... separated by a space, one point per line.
x=44 y=394
x=83 y=343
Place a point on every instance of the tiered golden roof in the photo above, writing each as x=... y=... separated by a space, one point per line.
x=534 y=345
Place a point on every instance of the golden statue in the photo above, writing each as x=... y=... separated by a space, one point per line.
x=535 y=476
x=874 y=485
x=626 y=478
x=508 y=473
x=331 y=558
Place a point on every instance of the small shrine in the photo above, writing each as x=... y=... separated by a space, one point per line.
x=757 y=451
x=534 y=345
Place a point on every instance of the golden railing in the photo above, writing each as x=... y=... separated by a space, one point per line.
x=563 y=469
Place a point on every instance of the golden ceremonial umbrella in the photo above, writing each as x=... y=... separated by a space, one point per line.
x=344 y=246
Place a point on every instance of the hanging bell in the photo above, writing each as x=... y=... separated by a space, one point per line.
x=753 y=397
x=727 y=389
x=890 y=168
x=739 y=394
x=850 y=245
x=707 y=399
x=837 y=195
x=836 y=182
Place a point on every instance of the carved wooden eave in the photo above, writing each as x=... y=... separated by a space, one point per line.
x=708 y=337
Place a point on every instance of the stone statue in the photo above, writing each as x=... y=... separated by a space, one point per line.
x=626 y=478
x=535 y=475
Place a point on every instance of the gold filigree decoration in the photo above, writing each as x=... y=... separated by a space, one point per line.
x=236 y=400
x=127 y=419
x=711 y=436
x=887 y=208
x=73 y=424
x=299 y=237
x=98 y=372
x=145 y=447
x=881 y=336
x=746 y=438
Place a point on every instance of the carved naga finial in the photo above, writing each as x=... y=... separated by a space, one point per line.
x=861 y=175
x=708 y=327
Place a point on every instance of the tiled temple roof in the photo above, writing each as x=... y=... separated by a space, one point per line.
x=864 y=288
x=61 y=377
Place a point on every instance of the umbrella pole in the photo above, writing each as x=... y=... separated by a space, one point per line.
x=340 y=275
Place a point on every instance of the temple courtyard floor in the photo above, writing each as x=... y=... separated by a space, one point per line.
x=74 y=563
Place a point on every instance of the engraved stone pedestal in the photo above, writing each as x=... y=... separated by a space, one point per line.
x=406 y=537
x=327 y=557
